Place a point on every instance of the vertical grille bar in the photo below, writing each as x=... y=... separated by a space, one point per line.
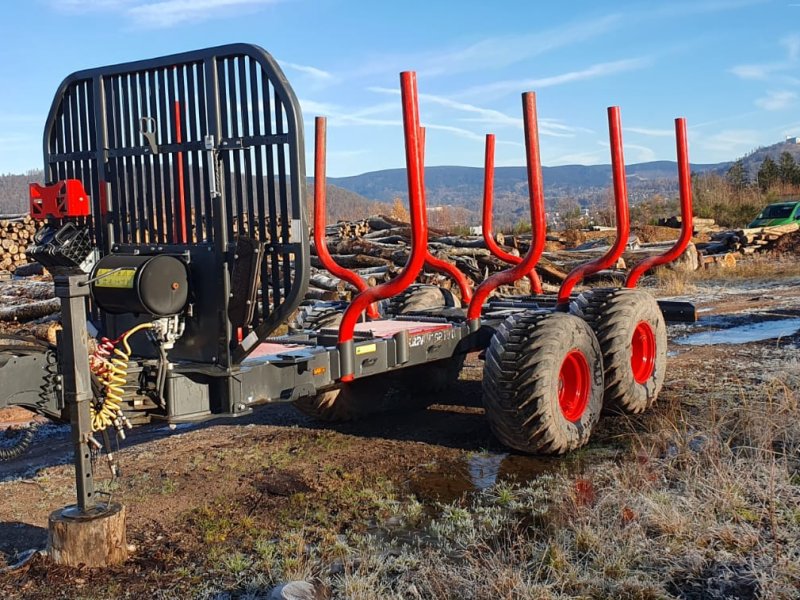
x=247 y=109
x=155 y=161
x=185 y=198
x=283 y=182
x=205 y=124
x=272 y=213
x=193 y=132
x=128 y=168
x=234 y=108
x=164 y=127
x=225 y=110
x=146 y=191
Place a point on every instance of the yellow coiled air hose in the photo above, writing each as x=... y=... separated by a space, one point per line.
x=114 y=378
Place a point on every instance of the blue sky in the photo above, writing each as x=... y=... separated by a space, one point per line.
x=732 y=68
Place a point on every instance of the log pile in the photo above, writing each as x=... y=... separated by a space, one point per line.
x=16 y=233
x=748 y=241
x=724 y=246
x=700 y=224
x=377 y=248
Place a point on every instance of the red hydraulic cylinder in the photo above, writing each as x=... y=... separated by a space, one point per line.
x=486 y=225
x=687 y=226
x=419 y=233
x=320 y=211
x=538 y=222
x=620 y=207
x=434 y=263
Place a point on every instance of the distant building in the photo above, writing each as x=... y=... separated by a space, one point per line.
x=793 y=140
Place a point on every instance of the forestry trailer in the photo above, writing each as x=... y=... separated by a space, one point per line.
x=174 y=226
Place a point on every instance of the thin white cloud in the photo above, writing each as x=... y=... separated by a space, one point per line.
x=338 y=117
x=792 y=44
x=595 y=71
x=634 y=153
x=729 y=142
x=686 y=9
x=773 y=70
x=756 y=72
x=639 y=154
x=501 y=51
x=579 y=158
x=490 y=53
x=318 y=75
x=164 y=13
x=650 y=132
x=491 y=117
x=777 y=100
x=82 y=6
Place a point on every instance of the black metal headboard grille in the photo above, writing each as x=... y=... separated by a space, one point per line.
x=138 y=135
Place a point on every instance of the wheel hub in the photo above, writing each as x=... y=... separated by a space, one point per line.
x=573 y=385
x=643 y=352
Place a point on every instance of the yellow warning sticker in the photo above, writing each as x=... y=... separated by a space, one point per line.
x=122 y=278
x=366 y=349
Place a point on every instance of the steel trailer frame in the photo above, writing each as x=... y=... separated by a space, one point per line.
x=215 y=177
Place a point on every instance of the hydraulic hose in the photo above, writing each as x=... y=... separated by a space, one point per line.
x=21 y=445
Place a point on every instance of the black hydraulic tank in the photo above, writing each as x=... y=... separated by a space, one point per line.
x=153 y=285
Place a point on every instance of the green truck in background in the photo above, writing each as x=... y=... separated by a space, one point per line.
x=780 y=213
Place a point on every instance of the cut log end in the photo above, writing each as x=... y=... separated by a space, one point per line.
x=94 y=542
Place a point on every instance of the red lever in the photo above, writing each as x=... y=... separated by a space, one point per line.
x=486 y=226
x=620 y=207
x=320 y=211
x=65 y=198
x=419 y=233
x=687 y=226
x=538 y=222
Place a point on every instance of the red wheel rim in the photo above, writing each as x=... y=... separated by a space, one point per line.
x=573 y=385
x=643 y=352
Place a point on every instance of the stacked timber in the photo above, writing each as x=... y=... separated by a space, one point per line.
x=16 y=233
x=700 y=224
x=746 y=241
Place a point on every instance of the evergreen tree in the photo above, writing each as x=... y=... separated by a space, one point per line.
x=787 y=168
x=737 y=176
x=768 y=174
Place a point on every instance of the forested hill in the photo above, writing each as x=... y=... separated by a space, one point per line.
x=14 y=191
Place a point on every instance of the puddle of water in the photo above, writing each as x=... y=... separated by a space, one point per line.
x=447 y=483
x=743 y=334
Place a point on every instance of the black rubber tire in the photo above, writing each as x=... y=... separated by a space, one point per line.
x=613 y=315
x=315 y=318
x=431 y=378
x=521 y=382
x=408 y=389
x=420 y=297
x=350 y=401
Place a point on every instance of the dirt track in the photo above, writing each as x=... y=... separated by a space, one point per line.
x=278 y=469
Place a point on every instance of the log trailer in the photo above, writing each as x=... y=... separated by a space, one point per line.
x=175 y=230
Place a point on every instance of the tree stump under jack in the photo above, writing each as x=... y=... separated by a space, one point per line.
x=98 y=541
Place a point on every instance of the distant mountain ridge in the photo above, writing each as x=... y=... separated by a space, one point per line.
x=463 y=186
x=349 y=197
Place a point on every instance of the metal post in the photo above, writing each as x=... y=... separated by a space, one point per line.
x=73 y=290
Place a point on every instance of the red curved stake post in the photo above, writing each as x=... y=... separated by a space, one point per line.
x=419 y=234
x=621 y=209
x=486 y=225
x=538 y=222
x=320 y=213
x=437 y=264
x=687 y=226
